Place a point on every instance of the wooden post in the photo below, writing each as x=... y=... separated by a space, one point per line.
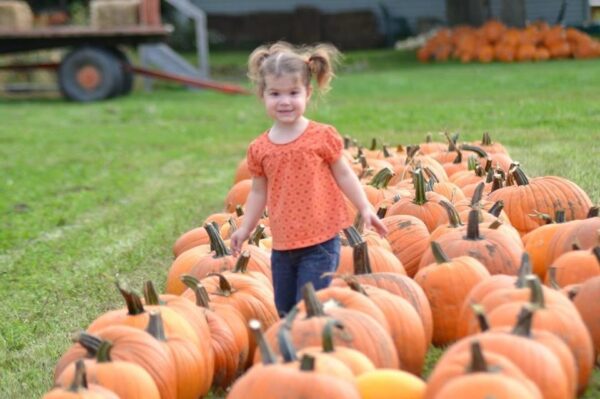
x=150 y=12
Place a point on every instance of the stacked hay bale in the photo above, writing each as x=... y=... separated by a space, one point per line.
x=114 y=13
x=15 y=15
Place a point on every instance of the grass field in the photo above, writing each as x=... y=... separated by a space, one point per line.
x=91 y=191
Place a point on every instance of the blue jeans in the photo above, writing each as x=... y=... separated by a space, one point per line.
x=293 y=268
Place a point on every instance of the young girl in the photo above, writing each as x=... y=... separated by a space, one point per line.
x=299 y=173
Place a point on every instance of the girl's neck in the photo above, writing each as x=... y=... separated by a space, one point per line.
x=282 y=133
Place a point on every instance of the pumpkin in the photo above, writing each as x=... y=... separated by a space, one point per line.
x=194 y=378
x=390 y=384
x=486 y=385
x=237 y=194
x=587 y=302
x=582 y=232
x=537 y=241
x=241 y=171
x=546 y=194
x=575 y=267
x=446 y=284
x=125 y=379
x=79 y=388
x=182 y=265
x=190 y=239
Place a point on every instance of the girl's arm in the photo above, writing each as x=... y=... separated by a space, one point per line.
x=350 y=186
x=255 y=206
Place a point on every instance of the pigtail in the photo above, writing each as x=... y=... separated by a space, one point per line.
x=322 y=61
x=255 y=61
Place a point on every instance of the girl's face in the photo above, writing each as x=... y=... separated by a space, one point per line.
x=285 y=98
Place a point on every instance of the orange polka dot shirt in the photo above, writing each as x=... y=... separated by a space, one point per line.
x=305 y=204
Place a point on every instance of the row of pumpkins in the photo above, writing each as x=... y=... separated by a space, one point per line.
x=495 y=41
x=499 y=268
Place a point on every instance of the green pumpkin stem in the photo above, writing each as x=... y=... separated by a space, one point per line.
x=241 y=265
x=472 y=164
x=150 y=295
x=257 y=235
x=80 y=378
x=478 y=363
x=373 y=144
x=327 y=336
x=552 y=279
x=477 y=194
x=307 y=363
x=453 y=216
x=477 y=150
x=314 y=308
x=524 y=321
x=156 y=327
x=486 y=140
x=525 y=270
x=438 y=253
x=216 y=241
x=355 y=285
x=202 y=298
x=132 y=300
x=188 y=280
x=419 y=182
x=559 y=216
x=482 y=320
x=286 y=348
x=90 y=342
x=537 y=292
x=473 y=226
x=382 y=178
x=103 y=354
x=266 y=353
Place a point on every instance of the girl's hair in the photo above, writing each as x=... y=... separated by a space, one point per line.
x=281 y=58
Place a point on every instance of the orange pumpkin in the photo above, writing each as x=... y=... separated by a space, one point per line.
x=79 y=388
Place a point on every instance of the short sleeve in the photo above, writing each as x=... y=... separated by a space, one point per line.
x=253 y=161
x=333 y=145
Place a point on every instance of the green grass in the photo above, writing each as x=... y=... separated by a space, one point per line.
x=89 y=191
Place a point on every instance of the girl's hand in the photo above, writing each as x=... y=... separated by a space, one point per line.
x=372 y=222
x=237 y=239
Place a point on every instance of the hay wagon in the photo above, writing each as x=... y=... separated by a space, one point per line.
x=95 y=68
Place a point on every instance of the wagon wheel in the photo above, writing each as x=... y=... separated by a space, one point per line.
x=90 y=74
x=127 y=83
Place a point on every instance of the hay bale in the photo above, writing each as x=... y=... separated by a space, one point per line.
x=114 y=13
x=15 y=15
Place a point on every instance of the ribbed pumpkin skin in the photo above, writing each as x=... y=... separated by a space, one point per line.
x=403 y=286
x=127 y=380
x=130 y=345
x=486 y=385
x=190 y=239
x=446 y=286
x=431 y=212
x=182 y=265
x=536 y=361
x=583 y=232
x=408 y=236
x=536 y=245
x=587 y=302
x=457 y=365
x=547 y=195
x=575 y=267
x=277 y=381
x=388 y=384
x=93 y=391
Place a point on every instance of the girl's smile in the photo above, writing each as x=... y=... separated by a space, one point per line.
x=285 y=98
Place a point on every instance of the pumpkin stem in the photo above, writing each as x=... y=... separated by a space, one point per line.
x=355 y=285
x=428 y=138
x=537 y=293
x=477 y=150
x=156 y=327
x=386 y=152
x=133 y=301
x=360 y=251
x=453 y=216
x=482 y=320
x=596 y=252
x=573 y=291
x=225 y=288
x=103 y=354
x=495 y=225
x=419 y=183
x=477 y=194
x=241 y=265
x=593 y=212
x=382 y=211
x=519 y=176
x=80 y=378
x=489 y=175
x=458 y=159
x=216 y=241
x=286 y=348
x=382 y=178
x=314 y=308
x=472 y=164
x=486 y=139
x=239 y=211
x=202 y=298
x=559 y=216
x=488 y=165
x=451 y=142
x=150 y=295
x=552 y=278
x=90 y=342
x=359 y=223
x=232 y=225
x=496 y=208
x=257 y=235
x=327 y=336
x=189 y=280
x=373 y=144
x=438 y=253
x=497 y=182
x=307 y=363
x=266 y=353
x=525 y=270
x=524 y=321
x=347 y=142
x=478 y=363
x=473 y=226
x=430 y=173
